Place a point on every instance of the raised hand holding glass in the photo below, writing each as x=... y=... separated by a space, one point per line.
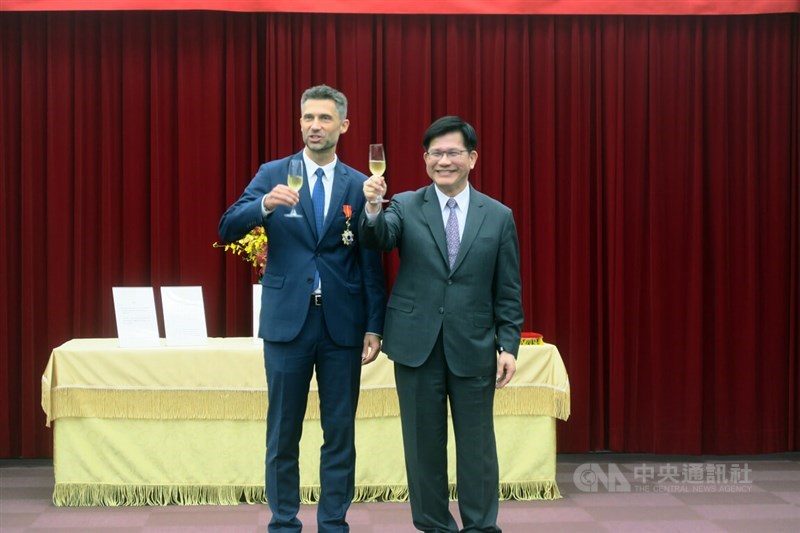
x=295 y=181
x=377 y=164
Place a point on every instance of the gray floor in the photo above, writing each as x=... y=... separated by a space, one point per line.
x=601 y=492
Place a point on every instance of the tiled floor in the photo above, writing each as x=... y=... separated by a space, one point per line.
x=601 y=492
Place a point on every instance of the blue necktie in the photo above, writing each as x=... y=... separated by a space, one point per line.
x=318 y=198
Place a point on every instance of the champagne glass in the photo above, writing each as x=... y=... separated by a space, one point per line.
x=295 y=181
x=377 y=163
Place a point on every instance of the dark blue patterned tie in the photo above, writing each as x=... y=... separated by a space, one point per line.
x=318 y=198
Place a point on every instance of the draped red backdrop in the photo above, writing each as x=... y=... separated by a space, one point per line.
x=651 y=163
x=517 y=7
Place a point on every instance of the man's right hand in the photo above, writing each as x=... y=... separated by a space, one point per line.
x=374 y=189
x=281 y=195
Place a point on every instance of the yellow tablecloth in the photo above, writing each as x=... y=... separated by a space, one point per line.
x=186 y=425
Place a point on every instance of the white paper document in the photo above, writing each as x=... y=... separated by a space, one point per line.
x=256 y=312
x=184 y=316
x=135 y=310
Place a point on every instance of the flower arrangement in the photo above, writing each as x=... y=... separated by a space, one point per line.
x=251 y=248
x=529 y=337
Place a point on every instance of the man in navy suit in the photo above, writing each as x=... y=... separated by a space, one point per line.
x=453 y=325
x=322 y=308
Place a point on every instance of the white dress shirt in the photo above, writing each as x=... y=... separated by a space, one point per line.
x=327 y=181
x=462 y=206
x=311 y=173
x=462 y=201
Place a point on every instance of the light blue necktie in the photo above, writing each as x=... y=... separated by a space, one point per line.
x=318 y=198
x=453 y=239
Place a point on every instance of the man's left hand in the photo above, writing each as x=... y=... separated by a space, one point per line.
x=506 y=366
x=372 y=347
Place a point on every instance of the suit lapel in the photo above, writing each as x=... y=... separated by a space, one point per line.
x=475 y=217
x=340 y=183
x=432 y=212
x=338 y=191
x=305 y=205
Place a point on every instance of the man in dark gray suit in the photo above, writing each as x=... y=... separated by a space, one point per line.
x=454 y=307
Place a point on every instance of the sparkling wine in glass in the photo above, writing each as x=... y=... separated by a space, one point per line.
x=295 y=181
x=377 y=162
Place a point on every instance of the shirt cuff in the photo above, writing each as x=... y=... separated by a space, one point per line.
x=264 y=211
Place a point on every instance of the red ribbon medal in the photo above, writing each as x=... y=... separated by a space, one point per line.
x=347 y=235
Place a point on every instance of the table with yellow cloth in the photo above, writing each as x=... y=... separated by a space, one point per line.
x=186 y=425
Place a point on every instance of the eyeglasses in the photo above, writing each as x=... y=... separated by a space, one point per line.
x=451 y=154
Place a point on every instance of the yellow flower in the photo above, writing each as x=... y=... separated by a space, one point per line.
x=251 y=248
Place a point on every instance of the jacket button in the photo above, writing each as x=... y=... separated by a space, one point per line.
x=441 y=310
x=449 y=281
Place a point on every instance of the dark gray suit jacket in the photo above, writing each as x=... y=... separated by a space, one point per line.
x=477 y=305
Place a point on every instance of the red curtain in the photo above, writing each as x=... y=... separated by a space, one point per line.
x=651 y=163
x=501 y=7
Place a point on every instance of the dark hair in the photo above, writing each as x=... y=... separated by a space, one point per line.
x=324 y=92
x=449 y=124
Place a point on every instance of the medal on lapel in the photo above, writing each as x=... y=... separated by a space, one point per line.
x=347 y=236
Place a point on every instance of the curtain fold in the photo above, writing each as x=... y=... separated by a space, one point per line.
x=651 y=164
x=480 y=7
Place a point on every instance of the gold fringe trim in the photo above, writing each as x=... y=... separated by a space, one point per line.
x=363 y=493
x=157 y=404
x=531 y=490
x=522 y=491
x=532 y=400
x=372 y=403
x=102 y=495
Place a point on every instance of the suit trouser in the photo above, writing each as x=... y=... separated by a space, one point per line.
x=289 y=367
x=423 y=393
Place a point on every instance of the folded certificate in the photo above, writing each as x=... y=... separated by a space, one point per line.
x=184 y=316
x=135 y=310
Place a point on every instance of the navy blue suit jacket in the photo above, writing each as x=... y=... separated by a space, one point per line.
x=352 y=276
